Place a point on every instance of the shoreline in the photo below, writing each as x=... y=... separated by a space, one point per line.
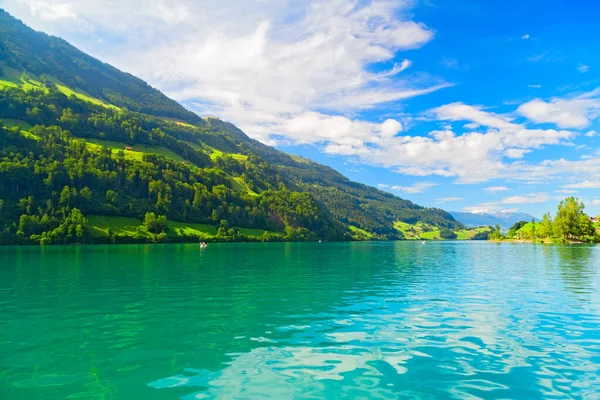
x=234 y=242
x=540 y=241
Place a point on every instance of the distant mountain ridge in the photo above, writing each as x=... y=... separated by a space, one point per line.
x=505 y=219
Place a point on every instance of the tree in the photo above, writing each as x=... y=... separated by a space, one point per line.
x=65 y=197
x=586 y=227
x=35 y=115
x=481 y=235
x=571 y=222
x=496 y=234
x=111 y=197
x=447 y=234
x=155 y=224
x=223 y=228
x=546 y=228
x=86 y=193
x=512 y=232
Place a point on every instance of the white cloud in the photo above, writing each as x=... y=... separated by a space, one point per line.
x=340 y=132
x=508 y=210
x=583 y=185
x=526 y=36
x=591 y=133
x=583 y=68
x=496 y=206
x=471 y=125
x=448 y=199
x=494 y=189
x=383 y=185
x=418 y=187
x=516 y=153
x=263 y=68
x=445 y=153
x=531 y=198
x=535 y=86
x=566 y=191
x=51 y=11
x=479 y=209
x=442 y=153
x=300 y=72
x=576 y=112
x=464 y=112
x=553 y=169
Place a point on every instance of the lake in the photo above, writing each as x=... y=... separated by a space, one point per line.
x=380 y=320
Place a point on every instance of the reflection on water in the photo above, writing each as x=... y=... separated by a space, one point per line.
x=577 y=265
x=333 y=320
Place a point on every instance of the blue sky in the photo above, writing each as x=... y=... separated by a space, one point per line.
x=465 y=105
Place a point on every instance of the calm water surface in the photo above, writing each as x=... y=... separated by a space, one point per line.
x=333 y=320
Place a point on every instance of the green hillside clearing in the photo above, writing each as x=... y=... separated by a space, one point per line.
x=422 y=231
x=99 y=227
x=360 y=234
x=138 y=149
x=15 y=79
x=214 y=154
x=11 y=123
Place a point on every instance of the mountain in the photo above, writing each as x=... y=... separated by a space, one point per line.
x=505 y=219
x=512 y=218
x=24 y=49
x=87 y=152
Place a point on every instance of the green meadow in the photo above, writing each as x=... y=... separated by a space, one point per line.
x=138 y=149
x=421 y=231
x=133 y=229
x=25 y=81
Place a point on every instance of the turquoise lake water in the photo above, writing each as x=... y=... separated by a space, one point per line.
x=390 y=320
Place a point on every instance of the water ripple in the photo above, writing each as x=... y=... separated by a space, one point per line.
x=283 y=321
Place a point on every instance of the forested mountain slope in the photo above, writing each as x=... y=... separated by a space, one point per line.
x=24 y=49
x=82 y=139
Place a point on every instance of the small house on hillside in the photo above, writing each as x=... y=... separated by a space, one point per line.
x=128 y=148
x=595 y=219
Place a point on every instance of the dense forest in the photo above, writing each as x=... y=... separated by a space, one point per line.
x=67 y=154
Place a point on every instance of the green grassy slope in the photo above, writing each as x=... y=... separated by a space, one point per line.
x=100 y=225
x=138 y=149
x=360 y=234
x=11 y=123
x=422 y=231
x=26 y=81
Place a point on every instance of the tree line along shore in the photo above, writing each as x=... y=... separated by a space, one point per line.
x=570 y=225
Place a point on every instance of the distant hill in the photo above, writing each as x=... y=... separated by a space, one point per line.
x=81 y=140
x=503 y=218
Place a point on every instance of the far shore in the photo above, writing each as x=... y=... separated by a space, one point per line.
x=541 y=241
